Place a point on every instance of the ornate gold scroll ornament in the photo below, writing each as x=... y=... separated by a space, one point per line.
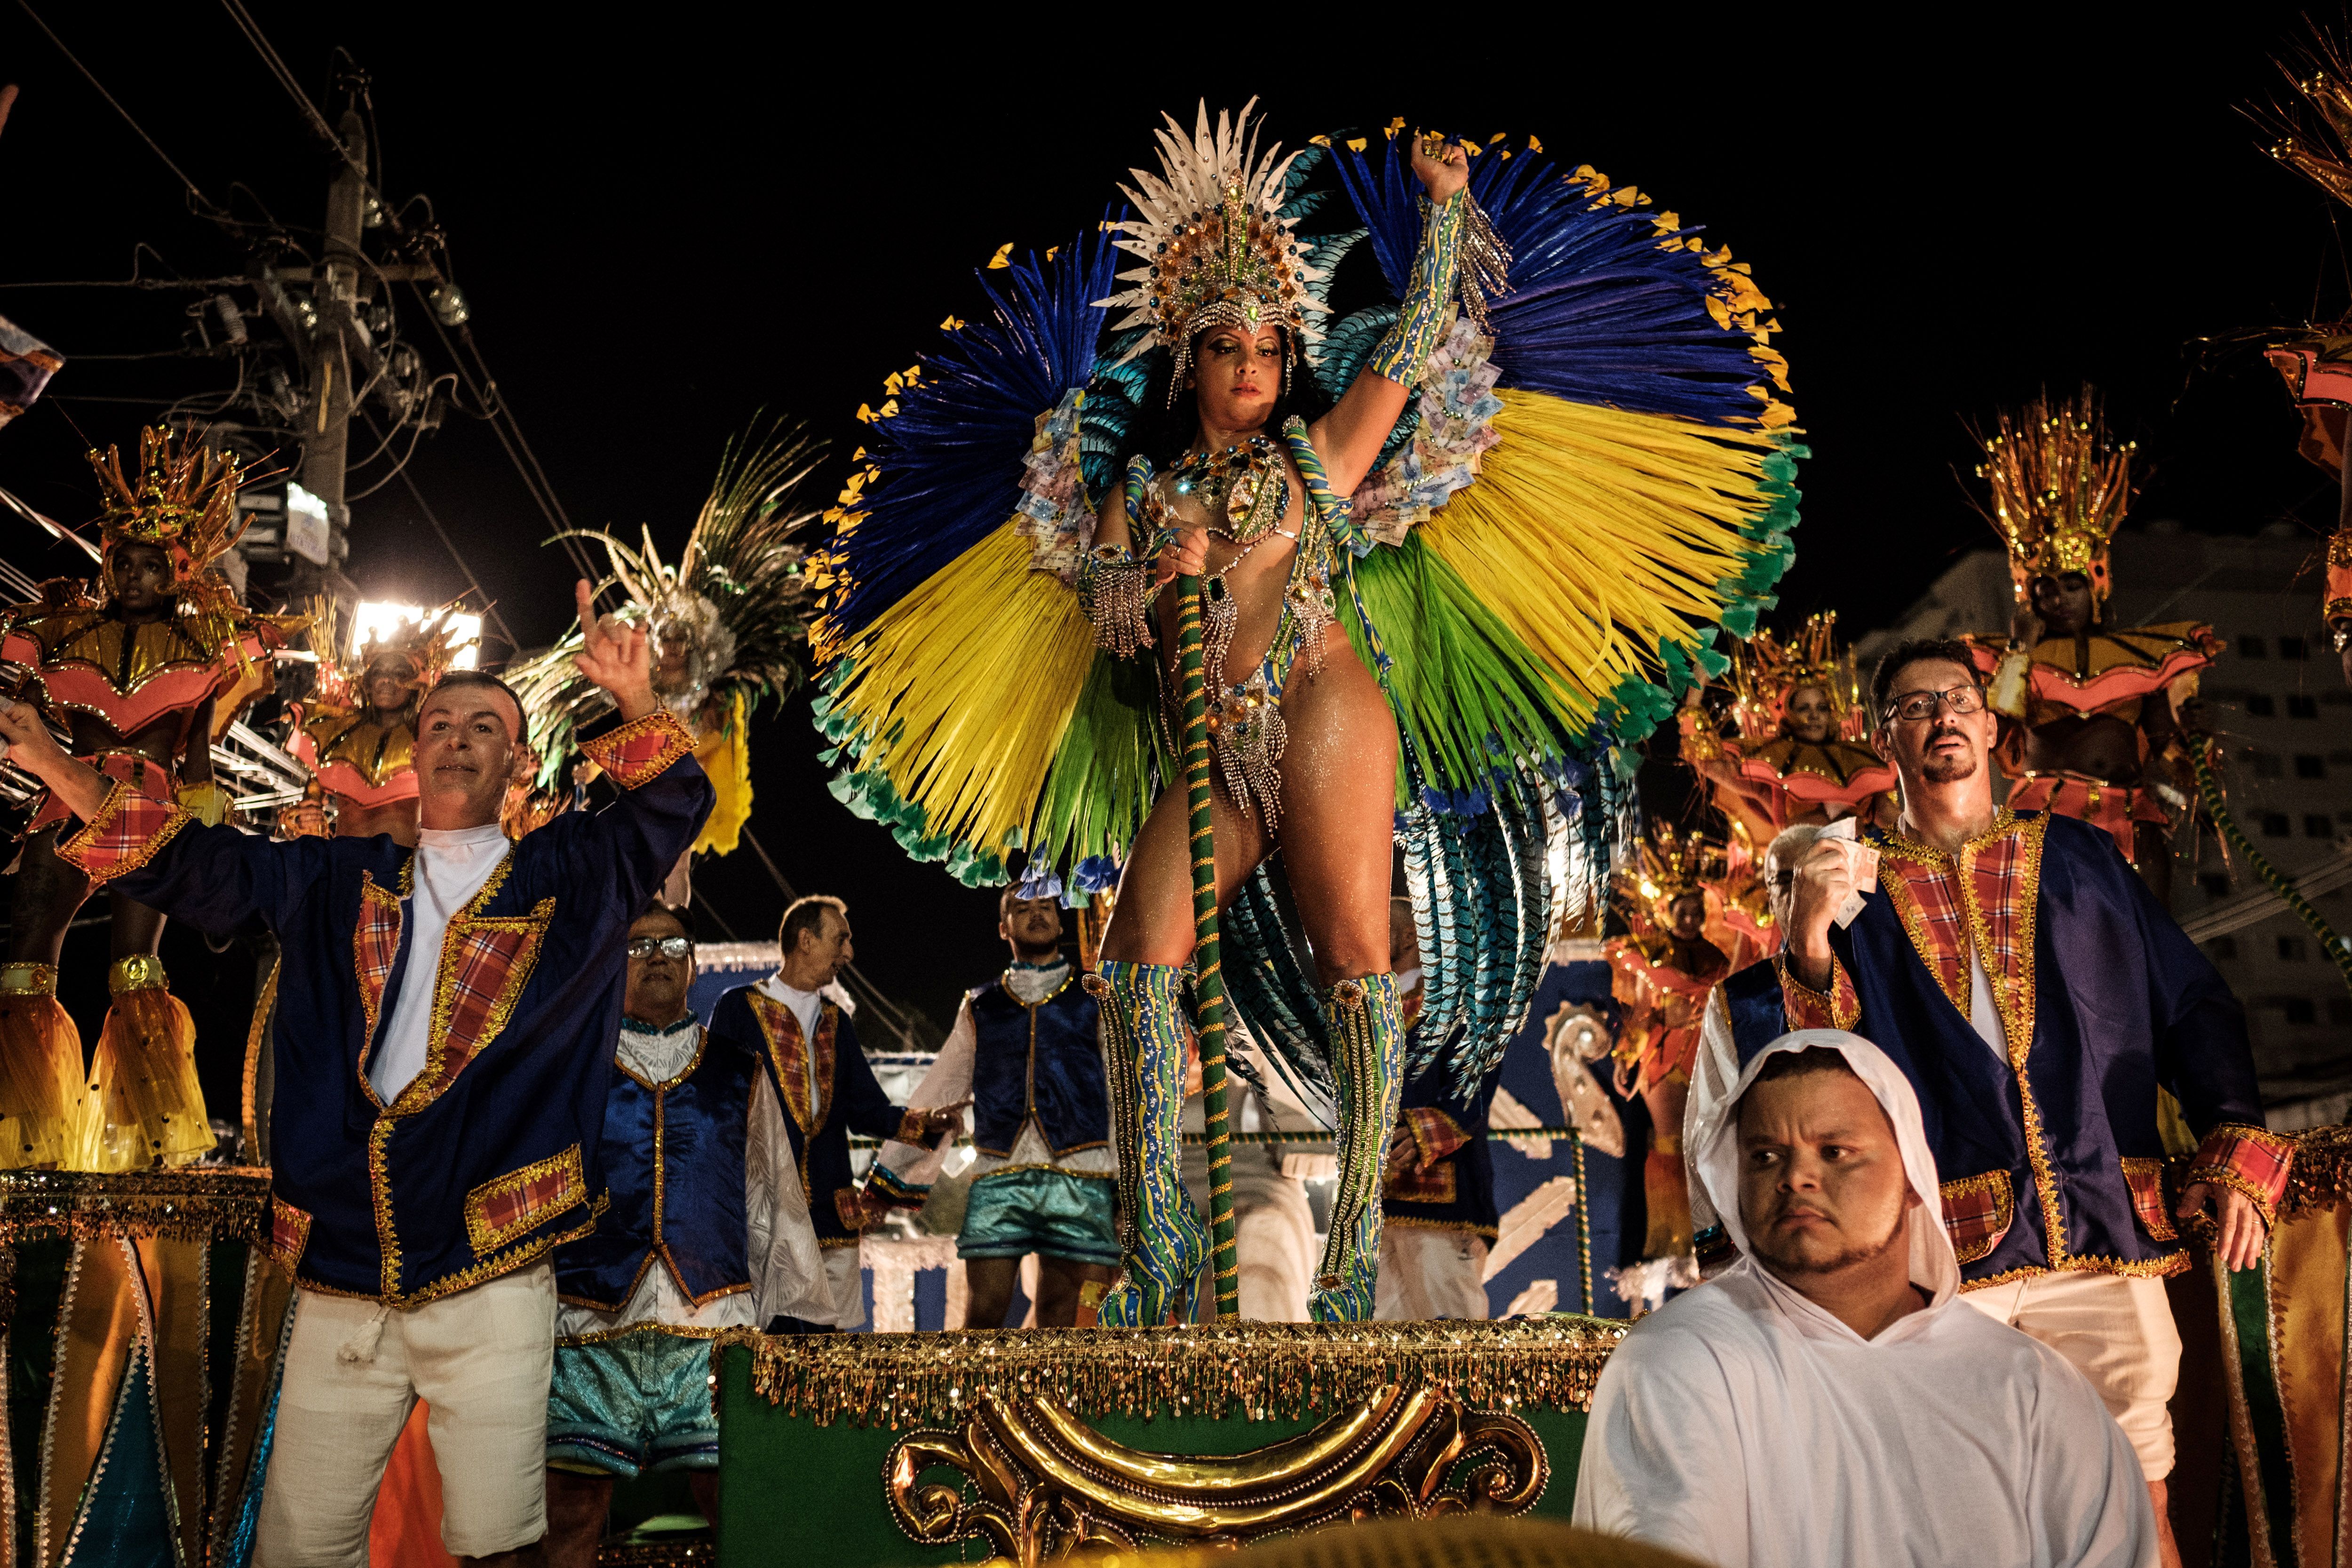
x=1049 y=1484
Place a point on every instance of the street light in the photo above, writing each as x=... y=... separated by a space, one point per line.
x=382 y=619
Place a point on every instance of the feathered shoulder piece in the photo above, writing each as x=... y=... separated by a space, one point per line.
x=728 y=621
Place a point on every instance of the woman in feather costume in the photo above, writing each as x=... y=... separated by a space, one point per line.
x=1430 y=604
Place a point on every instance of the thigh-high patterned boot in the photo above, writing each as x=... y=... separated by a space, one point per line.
x=1367 y=1031
x=1143 y=1035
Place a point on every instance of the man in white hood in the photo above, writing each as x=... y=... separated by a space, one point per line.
x=1828 y=1401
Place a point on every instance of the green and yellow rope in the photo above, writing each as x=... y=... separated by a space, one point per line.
x=2208 y=791
x=1210 y=987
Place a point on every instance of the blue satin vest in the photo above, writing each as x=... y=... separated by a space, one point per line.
x=673 y=1158
x=1758 y=1007
x=1045 y=1061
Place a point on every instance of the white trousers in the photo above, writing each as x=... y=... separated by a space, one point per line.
x=2116 y=1330
x=481 y=1359
x=1273 y=1236
x=1427 y=1273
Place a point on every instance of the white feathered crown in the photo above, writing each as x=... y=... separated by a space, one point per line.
x=1215 y=248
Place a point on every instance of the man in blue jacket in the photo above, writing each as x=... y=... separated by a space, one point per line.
x=2038 y=997
x=828 y=1089
x=443 y=1048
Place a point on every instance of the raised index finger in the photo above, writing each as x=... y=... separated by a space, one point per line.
x=585 y=599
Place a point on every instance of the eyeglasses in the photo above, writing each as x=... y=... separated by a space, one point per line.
x=678 y=947
x=1915 y=706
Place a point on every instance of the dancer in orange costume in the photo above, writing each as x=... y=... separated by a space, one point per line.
x=1800 y=753
x=133 y=678
x=358 y=731
x=2090 y=710
x=1679 y=948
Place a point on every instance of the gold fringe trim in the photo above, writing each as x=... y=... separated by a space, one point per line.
x=2321 y=1175
x=226 y=1204
x=1269 y=1371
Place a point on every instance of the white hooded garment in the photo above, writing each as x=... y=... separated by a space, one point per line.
x=1746 y=1426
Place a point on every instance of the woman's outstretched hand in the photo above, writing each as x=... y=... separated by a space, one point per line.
x=1441 y=166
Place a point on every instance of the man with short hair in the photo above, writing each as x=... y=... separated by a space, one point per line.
x=708 y=1230
x=1825 y=1403
x=444 y=1045
x=2040 y=999
x=828 y=1089
x=1026 y=1054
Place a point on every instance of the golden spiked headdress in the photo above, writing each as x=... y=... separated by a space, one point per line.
x=2060 y=484
x=428 y=646
x=1766 y=668
x=1216 y=250
x=182 y=500
x=1672 y=865
x=2312 y=133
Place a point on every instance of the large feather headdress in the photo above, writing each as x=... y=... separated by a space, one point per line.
x=182 y=499
x=2060 y=484
x=1766 y=668
x=1216 y=250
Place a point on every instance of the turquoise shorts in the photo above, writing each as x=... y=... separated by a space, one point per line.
x=638 y=1401
x=1053 y=1214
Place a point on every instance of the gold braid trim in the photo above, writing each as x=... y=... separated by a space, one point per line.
x=1459 y=1226
x=2171 y=1263
x=1267 y=1370
x=226 y=1205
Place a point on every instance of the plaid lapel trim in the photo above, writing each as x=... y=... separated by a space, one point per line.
x=2001 y=884
x=1985 y=899
x=485 y=961
x=375 y=945
x=790 y=1052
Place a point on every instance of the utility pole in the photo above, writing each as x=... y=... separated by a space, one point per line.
x=339 y=344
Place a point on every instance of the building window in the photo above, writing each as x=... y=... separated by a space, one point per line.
x=2303 y=707
x=2339 y=1010
x=2275 y=826
x=2261 y=706
x=2223 y=948
x=2215 y=883
x=2250 y=647
x=2290 y=647
x=2289 y=949
x=2315 y=825
x=2299 y=1010
x=2266 y=764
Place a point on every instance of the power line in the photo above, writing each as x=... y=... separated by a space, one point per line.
x=277 y=67
x=493 y=405
x=489 y=605
x=181 y=175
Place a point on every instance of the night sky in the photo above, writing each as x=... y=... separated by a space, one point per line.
x=663 y=235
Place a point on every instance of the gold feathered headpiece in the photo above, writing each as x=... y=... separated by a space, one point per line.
x=182 y=502
x=2060 y=484
x=1766 y=669
x=1672 y=865
x=2311 y=132
x=1216 y=250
